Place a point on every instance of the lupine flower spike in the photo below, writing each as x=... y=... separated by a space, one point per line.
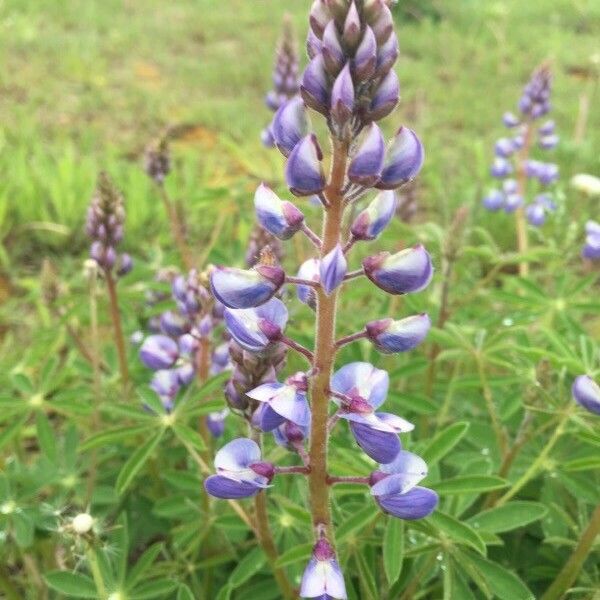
x=525 y=189
x=351 y=82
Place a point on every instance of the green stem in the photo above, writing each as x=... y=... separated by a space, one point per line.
x=96 y=573
x=538 y=463
x=521 y=221
x=324 y=354
x=573 y=566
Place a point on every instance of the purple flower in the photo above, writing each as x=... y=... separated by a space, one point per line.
x=510 y=186
x=365 y=58
x=303 y=170
x=407 y=271
x=342 y=97
x=547 y=142
x=125 y=264
x=281 y=402
x=279 y=217
x=289 y=435
x=591 y=249
x=367 y=164
x=365 y=388
x=386 y=97
x=394 y=487
x=166 y=384
x=241 y=473
x=547 y=128
x=586 y=393
x=315 y=85
x=390 y=336
x=536 y=214
x=501 y=168
x=173 y=323
x=548 y=173
x=215 y=422
x=255 y=328
x=494 y=200
x=512 y=202
x=376 y=217
x=510 y=120
x=505 y=147
x=323 y=577
x=290 y=125
x=159 y=352
x=332 y=269
x=333 y=54
x=352 y=27
x=387 y=55
x=220 y=359
x=403 y=160
x=309 y=270
x=239 y=288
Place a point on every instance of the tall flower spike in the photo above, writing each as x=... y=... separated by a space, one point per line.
x=405 y=272
x=303 y=170
x=586 y=393
x=403 y=161
x=241 y=473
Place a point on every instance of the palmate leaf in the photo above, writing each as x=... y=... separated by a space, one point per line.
x=510 y=516
x=393 y=549
x=73 y=585
x=470 y=484
x=457 y=531
x=443 y=442
x=299 y=553
x=113 y=436
x=250 y=564
x=367 y=579
x=142 y=565
x=136 y=461
x=357 y=521
x=157 y=588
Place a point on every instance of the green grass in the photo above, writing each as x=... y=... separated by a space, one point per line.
x=88 y=83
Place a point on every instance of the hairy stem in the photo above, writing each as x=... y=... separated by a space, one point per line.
x=325 y=351
x=521 y=222
x=118 y=329
x=96 y=573
x=177 y=230
x=573 y=566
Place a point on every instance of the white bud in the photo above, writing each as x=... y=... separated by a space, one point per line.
x=82 y=523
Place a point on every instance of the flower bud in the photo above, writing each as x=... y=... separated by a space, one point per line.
x=383 y=25
x=387 y=55
x=390 y=336
x=501 y=168
x=548 y=173
x=494 y=200
x=367 y=164
x=510 y=186
x=319 y=17
x=376 y=217
x=386 y=97
x=290 y=125
x=315 y=85
x=332 y=269
x=536 y=214
x=342 y=97
x=215 y=422
x=303 y=170
x=314 y=45
x=365 y=59
x=512 y=202
x=125 y=264
x=174 y=324
x=159 y=352
x=165 y=383
x=505 y=147
x=82 y=523
x=510 y=120
x=280 y=218
x=547 y=128
x=547 y=142
x=351 y=33
x=333 y=54
x=239 y=288
x=586 y=393
x=407 y=271
x=308 y=270
x=404 y=159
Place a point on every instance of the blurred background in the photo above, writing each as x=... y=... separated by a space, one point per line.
x=87 y=84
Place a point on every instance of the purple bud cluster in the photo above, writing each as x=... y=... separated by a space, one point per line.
x=591 y=248
x=286 y=83
x=104 y=226
x=157 y=160
x=512 y=162
x=350 y=80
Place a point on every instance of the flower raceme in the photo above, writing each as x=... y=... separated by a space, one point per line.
x=351 y=82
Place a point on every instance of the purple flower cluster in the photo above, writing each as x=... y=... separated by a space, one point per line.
x=591 y=248
x=285 y=76
x=181 y=335
x=512 y=162
x=350 y=80
x=104 y=225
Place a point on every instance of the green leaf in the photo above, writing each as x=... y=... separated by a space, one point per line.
x=143 y=564
x=71 y=584
x=505 y=584
x=135 y=462
x=469 y=484
x=46 y=437
x=112 y=436
x=367 y=580
x=510 y=516
x=11 y=431
x=184 y=593
x=457 y=531
x=23 y=528
x=299 y=553
x=357 y=521
x=393 y=549
x=587 y=463
x=151 y=400
x=154 y=589
x=443 y=442
x=188 y=436
x=250 y=564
